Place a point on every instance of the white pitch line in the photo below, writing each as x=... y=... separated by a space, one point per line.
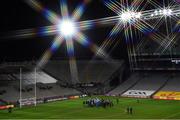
x=172 y=115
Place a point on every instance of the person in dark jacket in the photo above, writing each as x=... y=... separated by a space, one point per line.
x=127 y=110
x=131 y=110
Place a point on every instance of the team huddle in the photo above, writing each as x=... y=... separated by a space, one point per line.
x=96 y=102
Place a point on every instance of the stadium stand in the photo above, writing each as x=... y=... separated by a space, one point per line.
x=173 y=84
x=93 y=71
x=13 y=94
x=147 y=83
x=142 y=84
x=47 y=86
x=125 y=85
x=55 y=80
x=29 y=77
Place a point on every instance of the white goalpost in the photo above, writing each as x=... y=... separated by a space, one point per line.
x=35 y=82
x=27 y=101
x=20 y=88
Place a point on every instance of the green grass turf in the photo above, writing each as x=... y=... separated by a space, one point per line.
x=146 y=108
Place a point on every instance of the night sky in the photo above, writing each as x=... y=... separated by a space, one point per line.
x=17 y=15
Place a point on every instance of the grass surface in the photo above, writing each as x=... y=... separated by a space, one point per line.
x=145 y=109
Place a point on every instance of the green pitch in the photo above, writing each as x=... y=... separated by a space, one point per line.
x=145 y=108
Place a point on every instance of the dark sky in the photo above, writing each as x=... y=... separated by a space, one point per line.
x=17 y=15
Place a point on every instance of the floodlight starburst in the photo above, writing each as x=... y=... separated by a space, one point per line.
x=167 y=12
x=128 y=16
x=67 y=28
x=135 y=21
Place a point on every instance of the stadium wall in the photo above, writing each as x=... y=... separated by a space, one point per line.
x=138 y=93
x=167 y=95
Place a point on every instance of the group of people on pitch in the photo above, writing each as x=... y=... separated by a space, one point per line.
x=96 y=102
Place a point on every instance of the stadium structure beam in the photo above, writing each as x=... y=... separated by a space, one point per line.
x=141 y=15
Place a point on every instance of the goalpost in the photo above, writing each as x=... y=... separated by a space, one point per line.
x=20 y=88
x=27 y=101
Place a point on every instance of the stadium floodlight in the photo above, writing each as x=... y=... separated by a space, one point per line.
x=67 y=28
x=126 y=16
x=164 y=12
x=138 y=15
x=156 y=12
x=167 y=12
x=130 y=15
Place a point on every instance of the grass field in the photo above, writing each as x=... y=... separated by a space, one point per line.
x=145 y=109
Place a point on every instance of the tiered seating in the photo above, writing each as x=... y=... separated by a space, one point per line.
x=6 y=77
x=29 y=77
x=56 y=91
x=151 y=81
x=97 y=71
x=48 y=88
x=141 y=84
x=93 y=71
x=2 y=92
x=171 y=90
x=126 y=85
x=173 y=84
x=13 y=94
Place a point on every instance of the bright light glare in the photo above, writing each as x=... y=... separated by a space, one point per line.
x=67 y=28
x=167 y=12
x=126 y=16
x=130 y=15
x=138 y=15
